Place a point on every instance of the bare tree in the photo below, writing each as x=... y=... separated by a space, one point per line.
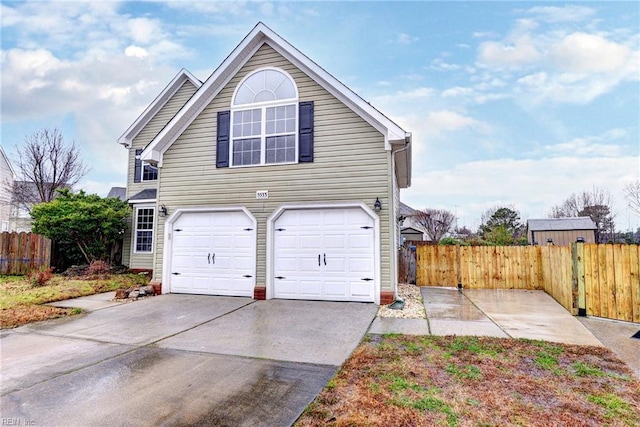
x=45 y=164
x=632 y=194
x=435 y=222
x=595 y=204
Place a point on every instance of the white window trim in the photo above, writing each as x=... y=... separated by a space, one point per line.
x=134 y=241
x=263 y=121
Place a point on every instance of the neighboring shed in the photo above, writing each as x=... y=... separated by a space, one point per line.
x=561 y=231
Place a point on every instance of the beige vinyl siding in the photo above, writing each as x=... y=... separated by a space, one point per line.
x=155 y=125
x=146 y=135
x=350 y=164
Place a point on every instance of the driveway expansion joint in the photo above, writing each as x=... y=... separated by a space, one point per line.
x=488 y=317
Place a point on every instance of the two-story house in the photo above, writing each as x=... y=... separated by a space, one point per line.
x=271 y=179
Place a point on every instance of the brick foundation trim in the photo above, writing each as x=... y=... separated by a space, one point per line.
x=157 y=286
x=387 y=297
x=260 y=292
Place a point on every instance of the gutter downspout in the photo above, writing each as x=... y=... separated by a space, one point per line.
x=398 y=304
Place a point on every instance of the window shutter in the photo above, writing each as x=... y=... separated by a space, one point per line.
x=305 y=133
x=222 y=139
x=137 y=168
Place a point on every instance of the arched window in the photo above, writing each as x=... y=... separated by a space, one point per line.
x=264 y=119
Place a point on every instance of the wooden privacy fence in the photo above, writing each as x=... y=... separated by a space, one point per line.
x=597 y=280
x=21 y=253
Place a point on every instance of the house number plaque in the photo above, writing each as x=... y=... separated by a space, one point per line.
x=262 y=194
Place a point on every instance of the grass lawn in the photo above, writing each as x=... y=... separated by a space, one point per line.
x=399 y=380
x=21 y=301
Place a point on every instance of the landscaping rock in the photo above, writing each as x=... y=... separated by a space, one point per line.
x=147 y=290
x=134 y=294
x=122 y=293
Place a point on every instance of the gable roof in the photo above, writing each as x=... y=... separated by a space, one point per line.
x=406 y=210
x=261 y=34
x=176 y=83
x=8 y=162
x=118 y=193
x=561 y=224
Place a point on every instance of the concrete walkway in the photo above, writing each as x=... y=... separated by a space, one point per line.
x=515 y=314
x=494 y=313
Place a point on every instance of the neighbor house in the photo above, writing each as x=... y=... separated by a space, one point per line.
x=271 y=179
x=7 y=177
x=409 y=227
x=561 y=231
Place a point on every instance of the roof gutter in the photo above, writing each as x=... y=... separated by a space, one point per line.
x=406 y=147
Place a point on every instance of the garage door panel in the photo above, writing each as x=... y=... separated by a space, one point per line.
x=335 y=288
x=311 y=289
x=334 y=241
x=335 y=265
x=243 y=264
x=212 y=251
x=361 y=289
x=359 y=242
x=360 y=266
x=337 y=236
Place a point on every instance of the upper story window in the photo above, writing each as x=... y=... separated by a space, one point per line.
x=143 y=171
x=149 y=172
x=264 y=122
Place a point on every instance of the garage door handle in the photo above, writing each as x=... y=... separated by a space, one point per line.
x=280 y=277
x=318 y=260
x=367 y=279
x=209 y=258
x=213 y=258
x=247 y=276
x=325 y=258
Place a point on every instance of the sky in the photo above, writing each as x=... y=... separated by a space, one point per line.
x=517 y=104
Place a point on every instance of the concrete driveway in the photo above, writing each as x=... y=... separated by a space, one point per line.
x=178 y=360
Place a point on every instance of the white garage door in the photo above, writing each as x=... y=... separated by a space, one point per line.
x=324 y=254
x=213 y=253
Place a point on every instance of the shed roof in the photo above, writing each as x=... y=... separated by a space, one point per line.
x=561 y=224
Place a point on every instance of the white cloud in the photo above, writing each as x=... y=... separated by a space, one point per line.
x=533 y=186
x=404 y=38
x=542 y=65
x=508 y=54
x=584 y=147
x=136 y=51
x=457 y=91
x=144 y=30
x=441 y=65
x=554 y=14
x=589 y=53
x=449 y=121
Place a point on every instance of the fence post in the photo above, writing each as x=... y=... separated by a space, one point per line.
x=577 y=278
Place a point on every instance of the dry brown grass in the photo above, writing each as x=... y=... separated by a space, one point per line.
x=398 y=380
x=21 y=301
